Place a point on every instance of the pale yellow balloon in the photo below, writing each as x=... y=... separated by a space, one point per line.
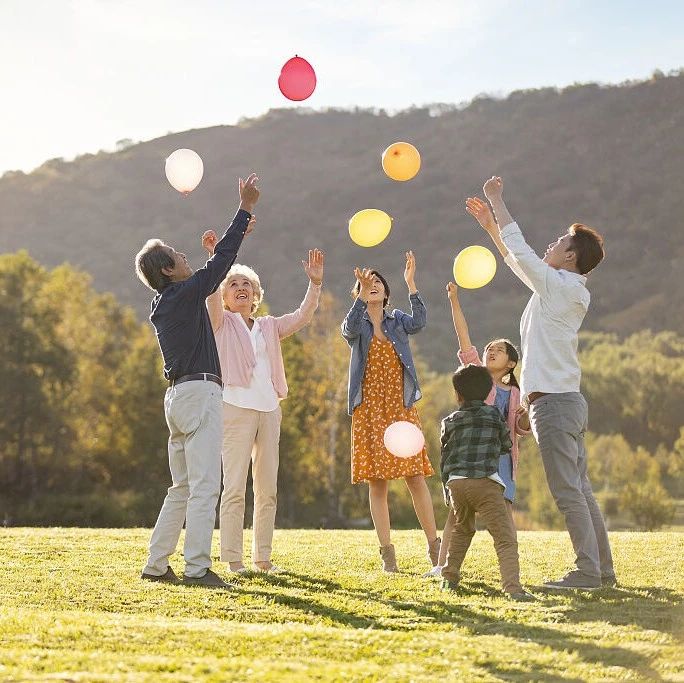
x=369 y=227
x=474 y=267
x=401 y=161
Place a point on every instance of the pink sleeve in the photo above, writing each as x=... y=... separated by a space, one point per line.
x=469 y=356
x=293 y=322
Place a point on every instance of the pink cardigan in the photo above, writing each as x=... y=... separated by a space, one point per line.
x=235 y=347
x=471 y=356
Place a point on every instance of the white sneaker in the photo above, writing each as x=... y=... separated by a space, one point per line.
x=242 y=570
x=273 y=569
x=435 y=571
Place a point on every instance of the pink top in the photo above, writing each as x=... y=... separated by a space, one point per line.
x=235 y=346
x=471 y=356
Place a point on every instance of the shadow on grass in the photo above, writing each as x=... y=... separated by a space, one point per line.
x=642 y=607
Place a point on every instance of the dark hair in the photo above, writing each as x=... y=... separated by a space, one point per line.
x=357 y=287
x=150 y=261
x=513 y=355
x=587 y=244
x=472 y=382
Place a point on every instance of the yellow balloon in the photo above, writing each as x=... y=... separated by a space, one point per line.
x=474 y=267
x=401 y=161
x=369 y=227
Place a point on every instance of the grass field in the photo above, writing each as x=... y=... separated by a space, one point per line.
x=72 y=608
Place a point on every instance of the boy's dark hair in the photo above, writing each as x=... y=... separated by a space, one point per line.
x=513 y=355
x=587 y=244
x=472 y=382
x=150 y=261
x=357 y=288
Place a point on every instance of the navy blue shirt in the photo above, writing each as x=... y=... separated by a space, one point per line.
x=179 y=312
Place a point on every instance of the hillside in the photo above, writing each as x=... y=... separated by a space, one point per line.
x=612 y=157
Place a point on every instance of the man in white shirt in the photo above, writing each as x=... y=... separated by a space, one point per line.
x=550 y=375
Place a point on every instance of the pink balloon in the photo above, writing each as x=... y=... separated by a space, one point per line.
x=403 y=439
x=297 y=79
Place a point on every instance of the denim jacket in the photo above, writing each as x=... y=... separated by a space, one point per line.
x=357 y=329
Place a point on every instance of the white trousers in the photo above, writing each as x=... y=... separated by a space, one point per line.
x=249 y=436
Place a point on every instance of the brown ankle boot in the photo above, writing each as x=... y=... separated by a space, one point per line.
x=433 y=551
x=389 y=559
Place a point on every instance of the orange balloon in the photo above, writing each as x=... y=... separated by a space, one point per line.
x=401 y=161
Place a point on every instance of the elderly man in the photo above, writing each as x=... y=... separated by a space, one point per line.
x=192 y=404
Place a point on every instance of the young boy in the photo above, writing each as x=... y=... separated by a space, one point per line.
x=473 y=437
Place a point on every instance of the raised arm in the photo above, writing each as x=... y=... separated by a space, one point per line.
x=460 y=324
x=214 y=303
x=209 y=277
x=536 y=274
x=416 y=320
x=293 y=322
x=351 y=325
x=481 y=212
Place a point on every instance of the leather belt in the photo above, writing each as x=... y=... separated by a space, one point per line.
x=531 y=398
x=206 y=376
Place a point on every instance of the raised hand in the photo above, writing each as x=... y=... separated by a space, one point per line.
x=452 y=291
x=249 y=192
x=410 y=270
x=481 y=212
x=314 y=266
x=493 y=188
x=365 y=279
x=209 y=240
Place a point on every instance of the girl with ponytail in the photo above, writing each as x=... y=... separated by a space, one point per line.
x=500 y=358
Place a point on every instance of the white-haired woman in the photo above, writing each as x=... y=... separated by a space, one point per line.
x=254 y=384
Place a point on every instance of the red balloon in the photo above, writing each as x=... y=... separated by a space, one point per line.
x=297 y=79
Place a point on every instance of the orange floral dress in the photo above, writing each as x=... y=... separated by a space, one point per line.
x=382 y=404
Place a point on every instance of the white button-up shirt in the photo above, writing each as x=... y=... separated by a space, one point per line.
x=550 y=323
x=260 y=394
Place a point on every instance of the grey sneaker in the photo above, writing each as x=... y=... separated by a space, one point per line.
x=609 y=581
x=575 y=580
x=522 y=596
x=209 y=580
x=167 y=577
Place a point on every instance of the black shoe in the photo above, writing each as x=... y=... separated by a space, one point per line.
x=575 y=580
x=167 y=577
x=522 y=596
x=209 y=580
x=449 y=585
x=609 y=581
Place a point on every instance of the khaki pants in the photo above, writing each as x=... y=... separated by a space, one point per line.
x=249 y=435
x=485 y=497
x=193 y=414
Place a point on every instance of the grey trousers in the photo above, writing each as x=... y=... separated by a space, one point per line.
x=193 y=413
x=559 y=422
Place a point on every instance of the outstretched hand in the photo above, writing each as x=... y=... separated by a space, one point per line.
x=249 y=192
x=314 y=266
x=493 y=188
x=365 y=279
x=410 y=270
x=452 y=291
x=481 y=212
x=209 y=240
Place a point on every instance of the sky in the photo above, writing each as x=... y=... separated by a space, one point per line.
x=76 y=76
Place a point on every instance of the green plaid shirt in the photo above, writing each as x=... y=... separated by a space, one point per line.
x=473 y=438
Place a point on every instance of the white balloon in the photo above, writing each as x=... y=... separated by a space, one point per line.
x=404 y=439
x=184 y=170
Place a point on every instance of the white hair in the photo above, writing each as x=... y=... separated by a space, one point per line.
x=238 y=270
